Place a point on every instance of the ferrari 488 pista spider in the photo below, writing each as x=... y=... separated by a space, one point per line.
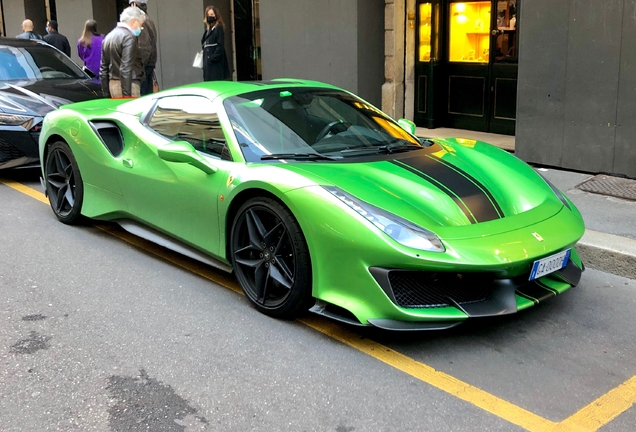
x=317 y=200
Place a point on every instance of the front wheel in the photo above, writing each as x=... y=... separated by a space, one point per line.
x=64 y=185
x=271 y=258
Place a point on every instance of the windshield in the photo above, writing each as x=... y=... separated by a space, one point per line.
x=36 y=62
x=306 y=121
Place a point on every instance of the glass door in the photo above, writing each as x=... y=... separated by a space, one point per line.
x=468 y=54
x=481 y=72
x=504 y=68
x=427 y=62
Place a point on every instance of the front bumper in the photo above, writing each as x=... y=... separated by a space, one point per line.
x=18 y=147
x=499 y=297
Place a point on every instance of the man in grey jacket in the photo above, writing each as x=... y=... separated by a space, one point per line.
x=27 y=29
x=121 y=70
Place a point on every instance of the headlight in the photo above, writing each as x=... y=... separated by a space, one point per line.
x=557 y=192
x=399 y=229
x=15 y=120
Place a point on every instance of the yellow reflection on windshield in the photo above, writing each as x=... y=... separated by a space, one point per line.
x=394 y=130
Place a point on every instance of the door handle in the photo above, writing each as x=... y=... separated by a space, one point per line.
x=128 y=163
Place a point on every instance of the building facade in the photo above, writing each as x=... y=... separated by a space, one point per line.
x=560 y=75
x=337 y=41
x=577 y=85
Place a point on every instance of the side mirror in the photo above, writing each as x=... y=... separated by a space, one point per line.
x=407 y=125
x=183 y=152
x=89 y=72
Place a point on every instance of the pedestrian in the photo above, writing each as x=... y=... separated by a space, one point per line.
x=147 y=42
x=121 y=69
x=56 y=39
x=89 y=47
x=27 y=31
x=215 y=65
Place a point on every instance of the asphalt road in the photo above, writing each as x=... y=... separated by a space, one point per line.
x=99 y=334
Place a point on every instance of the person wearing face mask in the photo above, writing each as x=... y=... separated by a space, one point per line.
x=121 y=69
x=56 y=39
x=215 y=65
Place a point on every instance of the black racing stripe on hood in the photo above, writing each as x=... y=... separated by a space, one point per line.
x=441 y=186
x=479 y=185
x=469 y=194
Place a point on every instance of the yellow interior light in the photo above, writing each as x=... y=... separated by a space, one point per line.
x=460 y=7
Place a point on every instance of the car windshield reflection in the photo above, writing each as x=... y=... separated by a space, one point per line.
x=312 y=121
x=36 y=63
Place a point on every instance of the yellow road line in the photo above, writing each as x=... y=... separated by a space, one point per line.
x=25 y=190
x=442 y=381
x=591 y=418
x=603 y=410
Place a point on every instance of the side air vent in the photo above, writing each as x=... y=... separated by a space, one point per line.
x=111 y=136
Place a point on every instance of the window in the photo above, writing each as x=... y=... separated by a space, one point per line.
x=36 y=62
x=192 y=119
x=470 y=32
x=425 y=32
x=506 y=43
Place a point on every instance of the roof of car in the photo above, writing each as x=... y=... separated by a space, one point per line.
x=20 y=42
x=229 y=88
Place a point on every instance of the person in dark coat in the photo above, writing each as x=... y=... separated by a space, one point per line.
x=27 y=29
x=215 y=65
x=56 y=39
x=147 y=43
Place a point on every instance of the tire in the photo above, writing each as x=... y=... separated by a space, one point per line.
x=271 y=258
x=64 y=185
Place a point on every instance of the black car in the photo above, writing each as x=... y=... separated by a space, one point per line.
x=35 y=78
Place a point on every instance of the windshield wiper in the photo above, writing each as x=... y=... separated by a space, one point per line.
x=396 y=147
x=297 y=156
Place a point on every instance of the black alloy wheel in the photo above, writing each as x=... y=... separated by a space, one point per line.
x=271 y=259
x=64 y=184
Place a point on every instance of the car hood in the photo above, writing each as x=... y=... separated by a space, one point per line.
x=38 y=97
x=454 y=190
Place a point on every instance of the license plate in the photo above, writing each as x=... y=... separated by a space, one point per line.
x=549 y=264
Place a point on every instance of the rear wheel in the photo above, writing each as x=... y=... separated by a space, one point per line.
x=271 y=258
x=64 y=184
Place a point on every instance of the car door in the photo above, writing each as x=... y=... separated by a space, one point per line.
x=177 y=198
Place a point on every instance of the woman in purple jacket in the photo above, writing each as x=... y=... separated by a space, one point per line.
x=89 y=47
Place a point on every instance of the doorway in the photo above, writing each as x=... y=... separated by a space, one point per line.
x=466 y=64
x=3 y=31
x=247 y=39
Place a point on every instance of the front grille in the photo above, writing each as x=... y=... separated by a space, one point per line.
x=8 y=151
x=413 y=289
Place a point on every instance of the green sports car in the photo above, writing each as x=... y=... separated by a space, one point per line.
x=317 y=200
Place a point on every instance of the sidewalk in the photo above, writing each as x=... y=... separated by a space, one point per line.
x=505 y=142
x=609 y=243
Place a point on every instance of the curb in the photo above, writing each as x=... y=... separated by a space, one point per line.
x=608 y=253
